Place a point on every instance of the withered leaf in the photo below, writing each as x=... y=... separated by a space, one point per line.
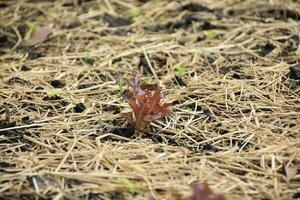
x=289 y=171
x=40 y=35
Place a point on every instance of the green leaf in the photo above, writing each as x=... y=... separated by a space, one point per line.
x=99 y=119
x=209 y=33
x=87 y=55
x=133 y=187
x=53 y=93
x=180 y=69
x=31 y=29
x=121 y=87
x=135 y=13
x=31 y=26
x=88 y=58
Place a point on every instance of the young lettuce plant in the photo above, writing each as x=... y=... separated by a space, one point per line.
x=201 y=191
x=144 y=100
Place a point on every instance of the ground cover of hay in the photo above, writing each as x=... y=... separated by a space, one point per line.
x=230 y=69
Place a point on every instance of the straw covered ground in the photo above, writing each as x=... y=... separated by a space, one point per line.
x=230 y=68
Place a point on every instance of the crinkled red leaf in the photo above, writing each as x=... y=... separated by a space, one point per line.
x=203 y=192
x=144 y=100
x=150 y=87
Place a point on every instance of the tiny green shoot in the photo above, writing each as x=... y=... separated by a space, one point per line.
x=132 y=187
x=53 y=93
x=88 y=58
x=121 y=87
x=31 y=29
x=180 y=69
x=209 y=33
x=135 y=13
x=99 y=119
x=87 y=55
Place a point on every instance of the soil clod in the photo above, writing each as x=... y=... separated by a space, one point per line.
x=126 y=132
x=114 y=21
x=57 y=84
x=268 y=48
x=295 y=72
x=79 y=108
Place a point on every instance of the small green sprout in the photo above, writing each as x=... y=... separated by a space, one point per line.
x=53 y=93
x=180 y=69
x=88 y=58
x=133 y=187
x=121 y=87
x=209 y=33
x=135 y=13
x=87 y=55
x=32 y=28
x=99 y=119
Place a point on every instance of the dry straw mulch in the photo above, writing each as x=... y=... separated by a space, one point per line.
x=235 y=98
